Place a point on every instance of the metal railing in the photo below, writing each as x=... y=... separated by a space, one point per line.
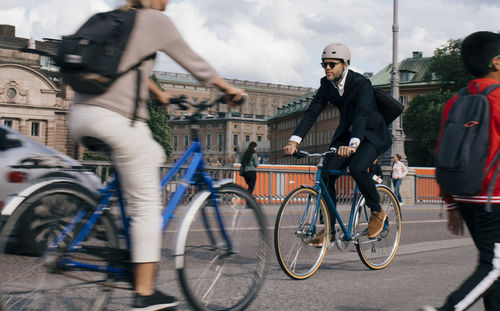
x=274 y=184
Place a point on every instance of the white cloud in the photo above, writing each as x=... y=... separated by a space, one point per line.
x=54 y=18
x=280 y=41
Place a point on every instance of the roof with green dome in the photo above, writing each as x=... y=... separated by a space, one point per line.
x=413 y=70
x=296 y=105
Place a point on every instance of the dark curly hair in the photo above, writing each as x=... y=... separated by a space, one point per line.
x=477 y=51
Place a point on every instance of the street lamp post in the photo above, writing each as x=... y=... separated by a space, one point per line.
x=396 y=128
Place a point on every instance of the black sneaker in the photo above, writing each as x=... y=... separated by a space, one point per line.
x=157 y=301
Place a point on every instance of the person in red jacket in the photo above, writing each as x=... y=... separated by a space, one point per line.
x=480 y=53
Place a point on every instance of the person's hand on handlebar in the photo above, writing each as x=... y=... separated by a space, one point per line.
x=346 y=151
x=290 y=148
x=234 y=94
x=160 y=95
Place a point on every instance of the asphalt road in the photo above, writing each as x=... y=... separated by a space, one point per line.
x=430 y=263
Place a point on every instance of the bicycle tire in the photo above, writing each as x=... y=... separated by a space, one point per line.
x=377 y=253
x=211 y=277
x=296 y=257
x=30 y=279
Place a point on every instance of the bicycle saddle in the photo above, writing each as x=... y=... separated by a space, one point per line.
x=96 y=145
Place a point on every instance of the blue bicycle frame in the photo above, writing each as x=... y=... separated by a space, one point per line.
x=320 y=186
x=194 y=175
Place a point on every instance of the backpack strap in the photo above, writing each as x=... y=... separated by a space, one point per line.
x=463 y=91
x=138 y=83
x=489 y=89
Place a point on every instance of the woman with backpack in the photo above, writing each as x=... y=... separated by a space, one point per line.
x=249 y=163
x=118 y=117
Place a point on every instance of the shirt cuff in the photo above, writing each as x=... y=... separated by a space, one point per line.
x=451 y=206
x=296 y=139
x=354 y=142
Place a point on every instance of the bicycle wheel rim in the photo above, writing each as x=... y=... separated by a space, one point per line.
x=297 y=258
x=30 y=281
x=212 y=278
x=378 y=253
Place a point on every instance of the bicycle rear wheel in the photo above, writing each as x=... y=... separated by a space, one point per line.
x=378 y=252
x=30 y=278
x=213 y=275
x=297 y=258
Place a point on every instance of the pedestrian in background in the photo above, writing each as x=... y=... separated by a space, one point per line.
x=399 y=171
x=480 y=53
x=250 y=162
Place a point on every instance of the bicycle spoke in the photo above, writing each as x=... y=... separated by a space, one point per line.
x=298 y=259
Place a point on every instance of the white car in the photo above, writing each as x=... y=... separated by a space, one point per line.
x=24 y=162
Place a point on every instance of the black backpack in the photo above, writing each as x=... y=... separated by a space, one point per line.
x=89 y=59
x=463 y=146
x=389 y=107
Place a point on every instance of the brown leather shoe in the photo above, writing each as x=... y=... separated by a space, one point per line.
x=317 y=241
x=376 y=223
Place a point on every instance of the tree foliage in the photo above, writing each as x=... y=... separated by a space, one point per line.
x=422 y=118
x=158 y=123
x=422 y=121
x=448 y=67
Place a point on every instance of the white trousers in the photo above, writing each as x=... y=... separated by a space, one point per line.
x=137 y=157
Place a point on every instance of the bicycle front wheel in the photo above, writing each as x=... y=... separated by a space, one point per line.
x=30 y=278
x=297 y=255
x=377 y=253
x=213 y=274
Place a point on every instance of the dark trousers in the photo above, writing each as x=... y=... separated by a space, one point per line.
x=250 y=178
x=359 y=164
x=484 y=227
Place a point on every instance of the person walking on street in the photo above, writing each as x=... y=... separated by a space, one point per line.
x=480 y=54
x=136 y=155
x=250 y=162
x=360 y=137
x=399 y=171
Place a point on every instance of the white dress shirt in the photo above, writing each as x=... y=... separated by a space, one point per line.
x=354 y=142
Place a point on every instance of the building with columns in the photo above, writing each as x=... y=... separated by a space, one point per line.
x=226 y=132
x=35 y=102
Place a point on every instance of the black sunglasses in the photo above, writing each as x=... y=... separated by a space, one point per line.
x=331 y=64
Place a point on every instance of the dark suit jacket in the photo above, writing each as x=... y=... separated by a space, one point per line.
x=359 y=116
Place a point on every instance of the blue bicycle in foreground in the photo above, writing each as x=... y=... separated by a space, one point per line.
x=220 y=251
x=304 y=215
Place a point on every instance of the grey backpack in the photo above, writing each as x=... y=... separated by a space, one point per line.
x=464 y=144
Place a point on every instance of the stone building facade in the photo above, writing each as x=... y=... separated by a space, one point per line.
x=35 y=102
x=226 y=131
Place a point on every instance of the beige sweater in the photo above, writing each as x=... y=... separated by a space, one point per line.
x=153 y=31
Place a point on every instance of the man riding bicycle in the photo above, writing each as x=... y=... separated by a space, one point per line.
x=360 y=137
x=136 y=155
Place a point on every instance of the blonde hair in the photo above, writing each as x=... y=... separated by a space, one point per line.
x=138 y=4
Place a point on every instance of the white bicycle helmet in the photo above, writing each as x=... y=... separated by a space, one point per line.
x=338 y=51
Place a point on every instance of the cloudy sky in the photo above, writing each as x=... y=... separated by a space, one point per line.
x=280 y=41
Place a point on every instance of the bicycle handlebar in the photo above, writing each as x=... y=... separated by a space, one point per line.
x=184 y=103
x=299 y=154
